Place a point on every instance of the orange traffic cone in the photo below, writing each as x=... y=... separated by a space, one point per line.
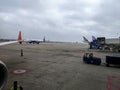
x=20 y=37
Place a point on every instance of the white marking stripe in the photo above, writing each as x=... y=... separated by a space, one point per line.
x=5 y=43
x=19 y=71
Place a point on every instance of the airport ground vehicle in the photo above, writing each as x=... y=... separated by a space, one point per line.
x=88 y=58
x=112 y=44
x=115 y=60
x=94 y=44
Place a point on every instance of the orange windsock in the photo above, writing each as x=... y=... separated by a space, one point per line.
x=19 y=37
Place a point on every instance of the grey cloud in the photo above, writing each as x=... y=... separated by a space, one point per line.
x=62 y=20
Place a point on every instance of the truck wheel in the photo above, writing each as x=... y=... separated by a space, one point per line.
x=98 y=63
x=83 y=61
x=107 y=65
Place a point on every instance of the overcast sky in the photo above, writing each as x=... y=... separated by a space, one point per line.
x=59 y=20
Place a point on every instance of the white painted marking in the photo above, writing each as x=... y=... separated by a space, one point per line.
x=19 y=71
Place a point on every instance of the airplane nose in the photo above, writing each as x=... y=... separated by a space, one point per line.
x=3 y=75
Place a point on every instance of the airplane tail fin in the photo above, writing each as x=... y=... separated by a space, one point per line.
x=86 y=40
x=93 y=38
x=20 y=37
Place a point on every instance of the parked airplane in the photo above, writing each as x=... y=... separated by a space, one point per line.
x=34 y=42
x=10 y=42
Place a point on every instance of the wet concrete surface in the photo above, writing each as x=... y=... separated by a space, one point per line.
x=56 y=66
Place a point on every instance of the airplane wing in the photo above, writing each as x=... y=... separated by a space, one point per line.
x=10 y=42
x=6 y=43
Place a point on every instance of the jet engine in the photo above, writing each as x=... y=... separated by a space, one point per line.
x=3 y=75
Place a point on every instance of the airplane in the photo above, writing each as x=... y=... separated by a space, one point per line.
x=94 y=44
x=34 y=42
x=10 y=42
x=3 y=67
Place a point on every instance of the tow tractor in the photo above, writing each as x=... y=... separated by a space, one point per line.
x=90 y=59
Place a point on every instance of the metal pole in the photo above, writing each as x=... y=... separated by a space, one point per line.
x=21 y=52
